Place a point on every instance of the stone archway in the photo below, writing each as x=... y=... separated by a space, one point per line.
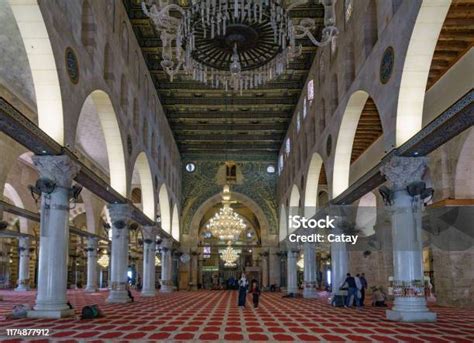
x=193 y=235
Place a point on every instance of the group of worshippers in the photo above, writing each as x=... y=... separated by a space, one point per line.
x=244 y=289
x=356 y=287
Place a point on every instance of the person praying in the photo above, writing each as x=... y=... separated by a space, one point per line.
x=243 y=286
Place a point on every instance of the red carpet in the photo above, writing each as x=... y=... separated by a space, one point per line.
x=213 y=315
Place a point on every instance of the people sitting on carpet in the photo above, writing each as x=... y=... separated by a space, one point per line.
x=378 y=297
x=243 y=286
x=255 y=290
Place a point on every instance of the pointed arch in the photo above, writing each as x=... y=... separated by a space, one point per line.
x=175 y=232
x=294 y=204
x=416 y=68
x=112 y=136
x=142 y=166
x=312 y=182
x=44 y=71
x=165 y=208
x=345 y=139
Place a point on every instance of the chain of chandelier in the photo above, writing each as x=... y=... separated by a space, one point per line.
x=178 y=29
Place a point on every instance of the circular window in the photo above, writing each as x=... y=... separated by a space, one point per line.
x=190 y=167
x=271 y=169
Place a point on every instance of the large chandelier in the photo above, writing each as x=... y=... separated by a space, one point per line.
x=238 y=44
x=226 y=224
x=229 y=256
x=104 y=260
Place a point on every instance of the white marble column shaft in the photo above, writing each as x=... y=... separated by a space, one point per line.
x=166 y=265
x=24 y=264
x=120 y=216
x=292 y=281
x=407 y=239
x=265 y=270
x=149 y=251
x=51 y=299
x=339 y=263
x=91 y=265
x=310 y=271
x=194 y=269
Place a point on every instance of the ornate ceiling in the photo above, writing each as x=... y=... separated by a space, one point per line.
x=206 y=120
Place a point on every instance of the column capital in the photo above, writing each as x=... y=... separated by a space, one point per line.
x=92 y=243
x=166 y=243
x=149 y=233
x=120 y=213
x=401 y=171
x=61 y=169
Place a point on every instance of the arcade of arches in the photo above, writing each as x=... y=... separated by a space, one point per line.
x=111 y=171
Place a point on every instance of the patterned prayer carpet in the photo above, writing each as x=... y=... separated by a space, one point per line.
x=214 y=316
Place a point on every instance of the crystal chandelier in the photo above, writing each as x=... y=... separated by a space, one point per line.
x=226 y=224
x=157 y=261
x=103 y=261
x=238 y=44
x=229 y=256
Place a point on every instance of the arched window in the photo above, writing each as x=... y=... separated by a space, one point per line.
x=108 y=75
x=88 y=27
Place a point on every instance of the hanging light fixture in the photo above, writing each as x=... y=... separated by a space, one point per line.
x=104 y=260
x=239 y=44
x=226 y=224
x=229 y=256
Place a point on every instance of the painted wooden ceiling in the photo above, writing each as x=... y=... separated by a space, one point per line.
x=206 y=120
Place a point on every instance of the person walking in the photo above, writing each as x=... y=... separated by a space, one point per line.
x=255 y=290
x=351 y=290
x=243 y=286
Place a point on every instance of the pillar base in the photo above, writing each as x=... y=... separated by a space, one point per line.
x=118 y=297
x=310 y=293
x=91 y=289
x=166 y=289
x=50 y=314
x=148 y=293
x=22 y=288
x=292 y=290
x=410 y=309
x=411 y=316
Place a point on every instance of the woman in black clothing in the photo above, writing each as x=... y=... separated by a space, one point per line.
x=255 y=290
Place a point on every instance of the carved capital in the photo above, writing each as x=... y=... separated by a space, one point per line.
x=120 y=213
x=92 y=243
x=149 y=233
x=60 y=169
x=401 y=171
x=166 y=243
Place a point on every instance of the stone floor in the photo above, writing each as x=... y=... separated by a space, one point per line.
x=213 y=315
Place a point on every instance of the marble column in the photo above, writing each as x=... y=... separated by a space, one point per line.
x=339 y=262
x=149 y=251
x=51 y=299
x=310 y=271
x=24 y=264
x=265 y=269
x=410 y=303
x=91 y=265
x=166 y=265
x=194 y=269
x=292 y=279
x=120 y=216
